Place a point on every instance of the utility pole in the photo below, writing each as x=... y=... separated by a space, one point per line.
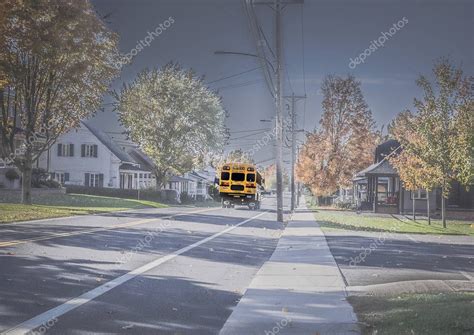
x=298 y=188
x=293 y=98
x=279 y=112
x=278 y=7
x=293 y=150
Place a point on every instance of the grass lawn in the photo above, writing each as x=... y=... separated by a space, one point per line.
x=331 y=220
x=443 y=313
x=68 y=204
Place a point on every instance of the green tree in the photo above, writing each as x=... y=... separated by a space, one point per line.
x=174 y=117
x=59 y=59
x=239 y=156
x=438 y=139
x=269 y=173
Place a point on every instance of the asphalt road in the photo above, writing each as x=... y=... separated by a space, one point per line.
x=155 y=271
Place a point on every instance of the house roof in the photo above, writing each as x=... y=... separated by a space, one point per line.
x=179 y=179
x=132 y=167
x=385 y=149
x=382 y=168
x=109 y=143
x=141 y=158
x=199 y=175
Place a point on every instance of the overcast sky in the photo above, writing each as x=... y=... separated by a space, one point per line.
x=327 y=33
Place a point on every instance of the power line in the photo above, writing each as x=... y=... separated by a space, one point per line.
x=267 y=160
x=248 y=131
x=266 y=41
x=256 y=34
x=252 y=82
x=234 y=75
x=249 y=135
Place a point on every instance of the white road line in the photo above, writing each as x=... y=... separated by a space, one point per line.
x=68 y=306
x=467 y=275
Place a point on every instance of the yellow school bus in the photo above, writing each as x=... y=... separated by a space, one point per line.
x=240 y=184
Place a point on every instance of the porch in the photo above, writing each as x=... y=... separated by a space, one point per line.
x=378 y=188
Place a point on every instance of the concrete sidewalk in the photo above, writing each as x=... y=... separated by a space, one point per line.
x=298 y=291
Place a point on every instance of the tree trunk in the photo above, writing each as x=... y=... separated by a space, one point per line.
x=26 y=185
x=428 y=206
x=413 y=201
x=443 y=208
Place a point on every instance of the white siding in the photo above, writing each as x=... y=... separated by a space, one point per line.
x=105 y=162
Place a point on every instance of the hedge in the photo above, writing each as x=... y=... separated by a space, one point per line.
x=168 y=196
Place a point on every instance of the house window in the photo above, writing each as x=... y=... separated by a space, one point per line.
x=419 y=195
x=126 y=180
x=65 y=150
x=61 y=177
x=94 y=180
x=89 y=150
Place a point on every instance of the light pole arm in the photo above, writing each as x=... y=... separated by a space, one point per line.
x=219 y=52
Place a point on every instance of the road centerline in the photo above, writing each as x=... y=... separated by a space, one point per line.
x=74 y=303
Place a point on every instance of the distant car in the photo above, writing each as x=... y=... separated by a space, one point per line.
x=266 y=192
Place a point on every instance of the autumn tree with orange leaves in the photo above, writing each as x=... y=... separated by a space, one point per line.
x=345 y=141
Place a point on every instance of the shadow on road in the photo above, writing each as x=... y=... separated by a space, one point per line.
x=37 y=277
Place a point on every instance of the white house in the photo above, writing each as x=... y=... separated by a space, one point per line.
x=194 y=183
x=87 y=156
x=200 y=185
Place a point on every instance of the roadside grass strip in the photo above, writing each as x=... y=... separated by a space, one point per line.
x=433 y=313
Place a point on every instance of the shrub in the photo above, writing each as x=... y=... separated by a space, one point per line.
x=168 y=196
x=345 y=205
x=11 y=174
x=49 y=183
x=213 y=191
x=185 y=198
x=39 y=177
